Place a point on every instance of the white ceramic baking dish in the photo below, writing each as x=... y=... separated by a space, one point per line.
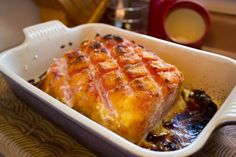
x=202 y=70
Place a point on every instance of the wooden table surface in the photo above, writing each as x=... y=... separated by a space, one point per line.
x=24 y=133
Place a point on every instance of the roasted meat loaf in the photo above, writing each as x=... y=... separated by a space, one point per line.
x=116 y=83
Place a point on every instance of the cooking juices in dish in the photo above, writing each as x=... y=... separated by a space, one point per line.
x=190 y=114
x=129 y=90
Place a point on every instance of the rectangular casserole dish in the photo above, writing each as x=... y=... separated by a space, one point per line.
x=202 y=70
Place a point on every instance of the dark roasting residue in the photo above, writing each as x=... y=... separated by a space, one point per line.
x=184 y=127
x=115 y=37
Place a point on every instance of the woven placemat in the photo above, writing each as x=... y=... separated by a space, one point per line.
x=24 y=133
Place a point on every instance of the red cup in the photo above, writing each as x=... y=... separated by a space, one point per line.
x=159 y=12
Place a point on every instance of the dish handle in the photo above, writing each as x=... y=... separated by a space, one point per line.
x=228 y=113
x=44 y=29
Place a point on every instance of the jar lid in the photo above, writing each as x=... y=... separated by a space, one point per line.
x=185 y=22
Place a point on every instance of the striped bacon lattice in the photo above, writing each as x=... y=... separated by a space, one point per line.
x=115 y=82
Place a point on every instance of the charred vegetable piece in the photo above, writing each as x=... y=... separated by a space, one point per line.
x=184 y=127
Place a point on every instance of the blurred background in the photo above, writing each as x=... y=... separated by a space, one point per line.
x=134 y=15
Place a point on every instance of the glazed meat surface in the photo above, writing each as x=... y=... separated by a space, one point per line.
x=116 y=83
